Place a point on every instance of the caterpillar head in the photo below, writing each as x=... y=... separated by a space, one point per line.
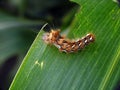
x=51 y=37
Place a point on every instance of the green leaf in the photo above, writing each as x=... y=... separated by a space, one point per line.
x=96 y=67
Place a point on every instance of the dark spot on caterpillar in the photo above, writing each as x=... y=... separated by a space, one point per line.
x=66 y=45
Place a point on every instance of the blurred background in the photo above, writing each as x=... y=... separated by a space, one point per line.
x=20 y=22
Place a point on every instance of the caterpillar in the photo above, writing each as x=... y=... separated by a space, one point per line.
x=66 y=45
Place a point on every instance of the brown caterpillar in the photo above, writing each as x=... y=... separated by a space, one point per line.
x=66 y=45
